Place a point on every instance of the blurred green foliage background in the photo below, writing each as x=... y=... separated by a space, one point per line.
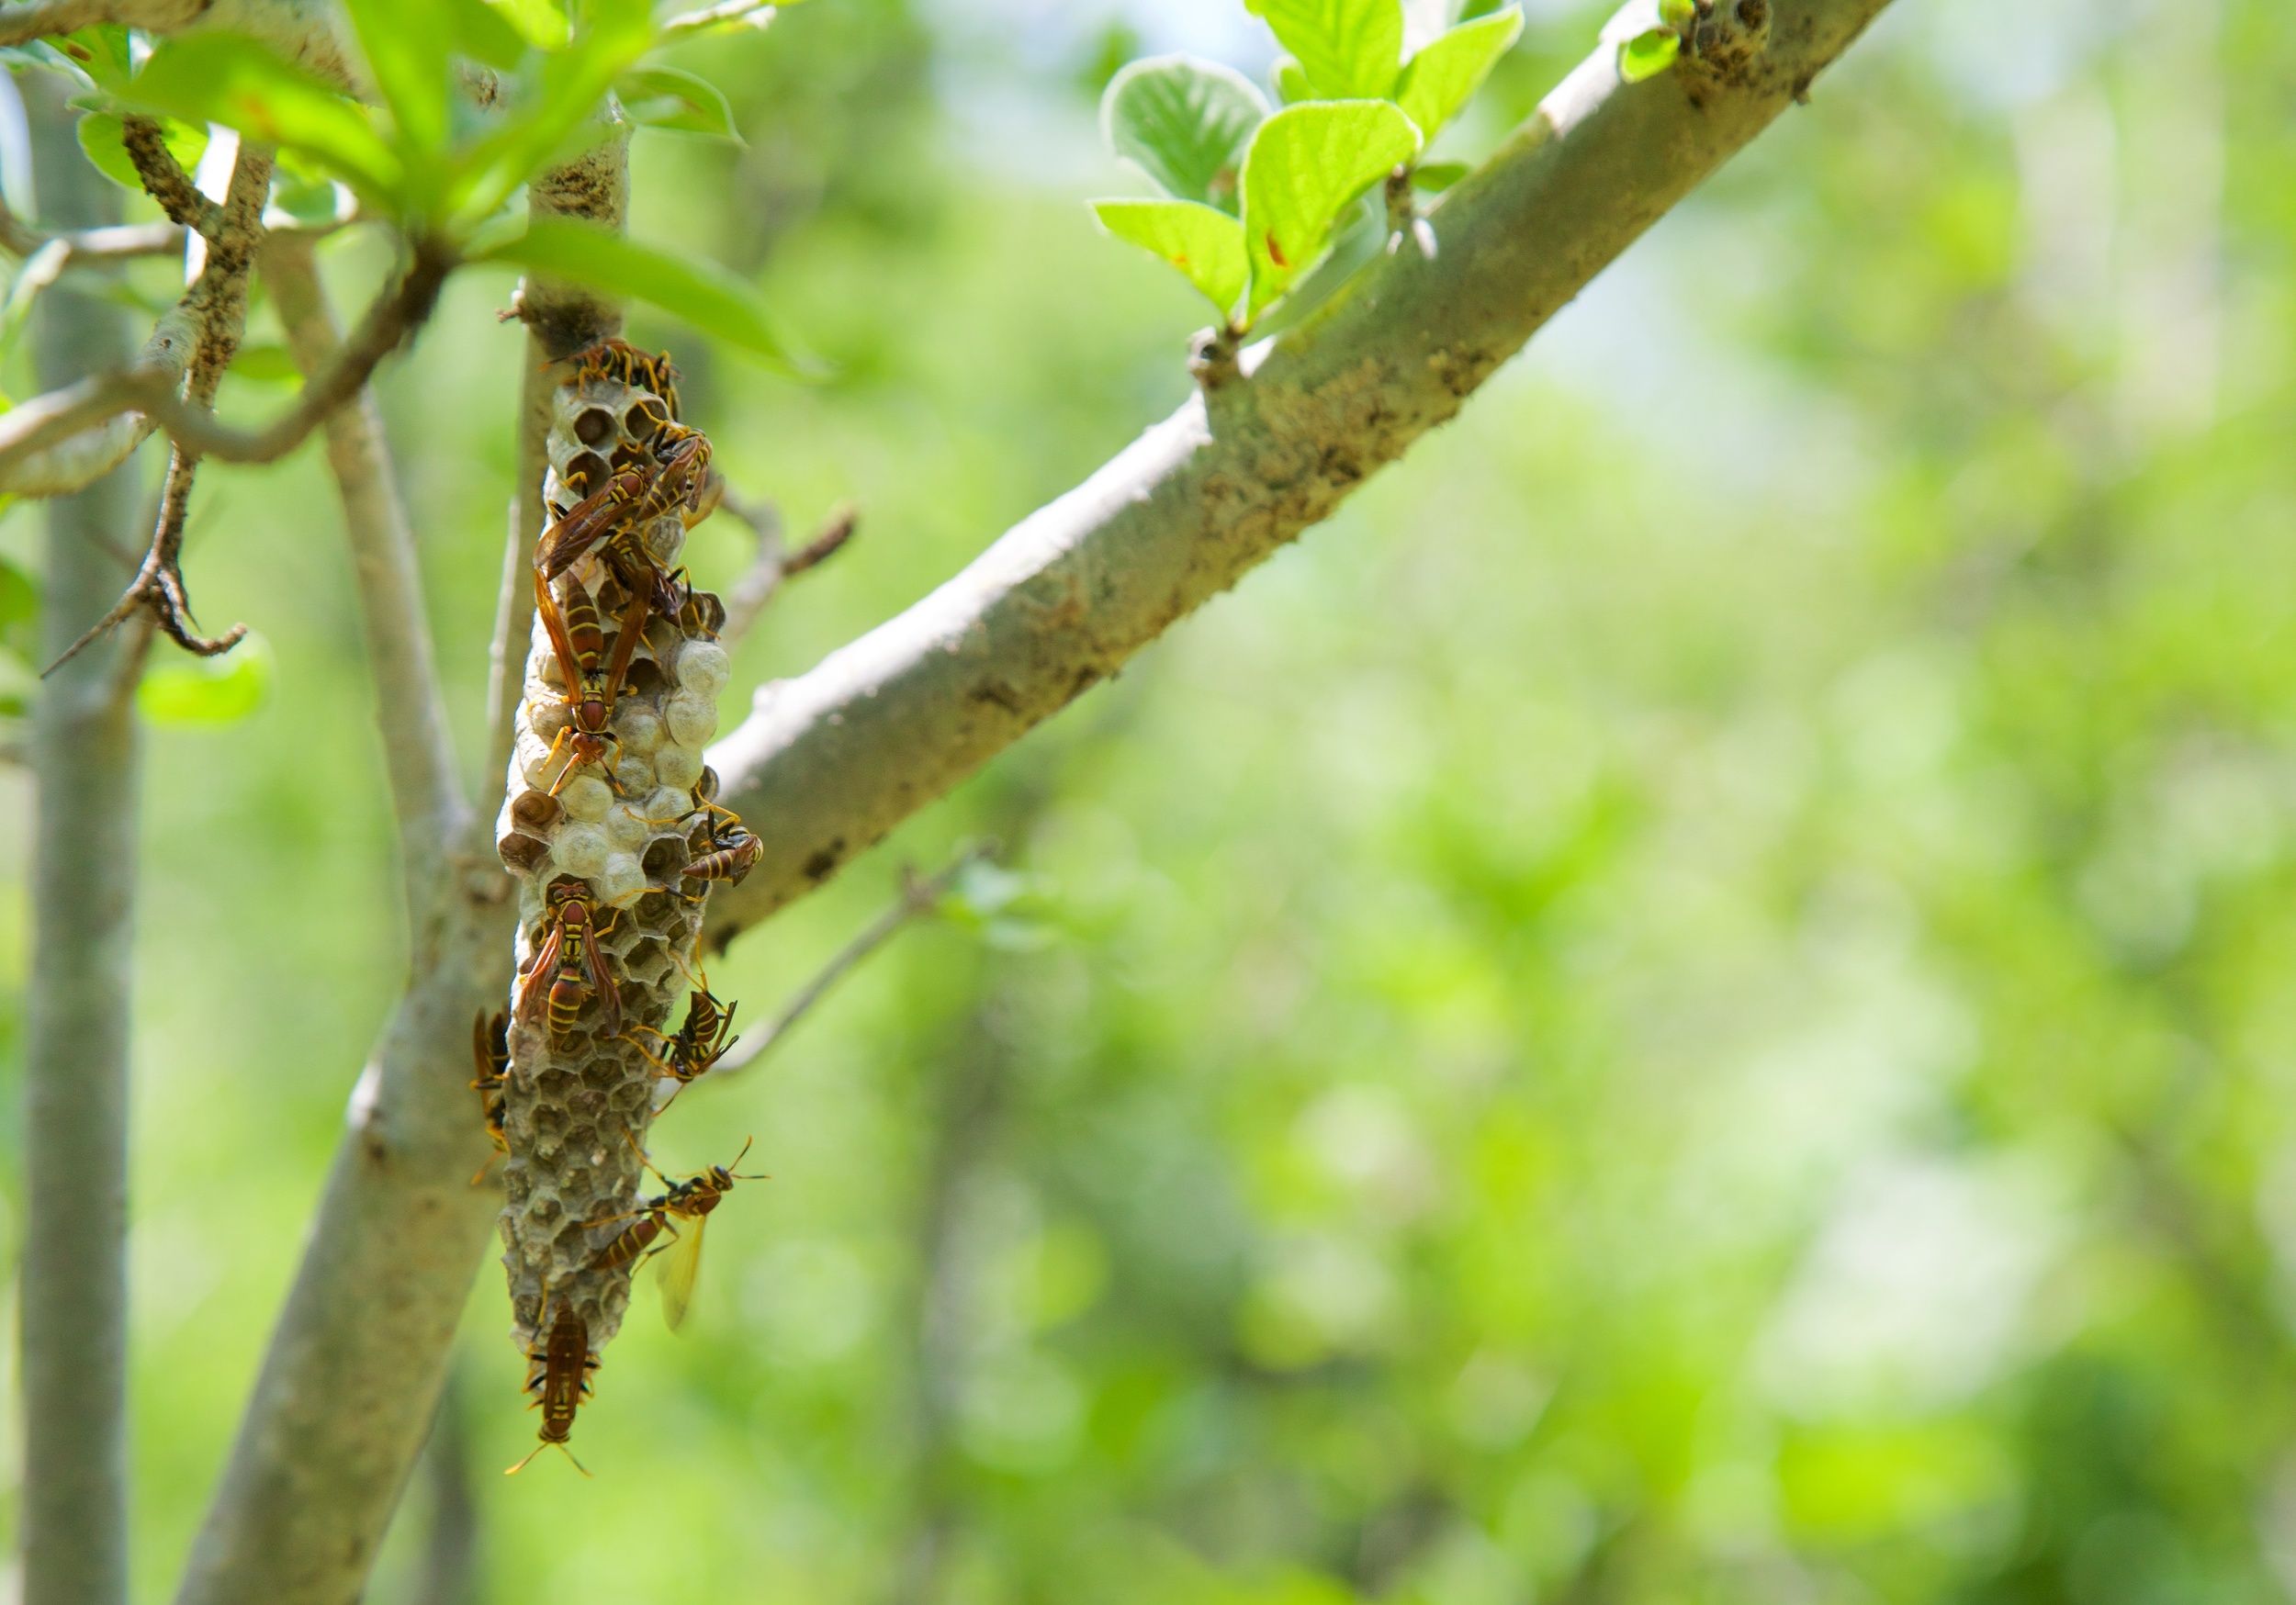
x=1688 y=1003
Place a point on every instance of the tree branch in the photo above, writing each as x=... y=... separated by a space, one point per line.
x=85 y=761
x=725 y=14
x=88 y=247
x=353 y=1373
x=303 y=31
x=561 y=318
x=42 y=424
x=216 y=307
x=165 y=179
x=418 y=749
x=839 y=756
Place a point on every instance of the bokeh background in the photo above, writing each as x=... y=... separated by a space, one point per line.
x=1695 y=999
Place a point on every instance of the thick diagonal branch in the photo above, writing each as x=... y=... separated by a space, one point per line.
x=838 y=756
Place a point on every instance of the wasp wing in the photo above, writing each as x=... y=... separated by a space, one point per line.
x=681 y=1268
x=537 y=979
x=601 y=982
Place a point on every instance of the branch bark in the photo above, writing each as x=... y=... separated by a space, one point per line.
x=410 y=712
x=838 y=756
x=561 y=318
x=85 y=762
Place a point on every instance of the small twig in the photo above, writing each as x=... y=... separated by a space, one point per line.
x=165 y=179
x=775 y=563
x=43 y=422
x=418 y=747
x=116 y=242
x=919 y=898
x=755 y=13
x=217 y=304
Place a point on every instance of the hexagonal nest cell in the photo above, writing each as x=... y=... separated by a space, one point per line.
x=576 y=1108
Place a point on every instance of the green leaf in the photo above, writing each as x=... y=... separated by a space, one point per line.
x=103 y=138
x=1203 y=242
x=1648 y=54
x=1357 y=238
x=225 y=78
x=1305 y=164
x=484 y=34
x=405 y=43
x=1349 y=48
x=266 y=365
x=19 y=611
x=1678 y=15
x=664 y=97
x=1185 y=123
x=1291 y=80
x=700 y=292
x=208 y=691
x=102 y=52
x=572 y=83
x=1435 y=178
x=1443 y=77
x=307 y=203
x=541 y=23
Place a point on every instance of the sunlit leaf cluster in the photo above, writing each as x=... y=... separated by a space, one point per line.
x=454 y=106
x=1253 y=193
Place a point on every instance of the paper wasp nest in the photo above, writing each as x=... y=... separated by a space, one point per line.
x=576 y=1111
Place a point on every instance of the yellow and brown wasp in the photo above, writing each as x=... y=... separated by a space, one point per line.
x=618 y=360
x=690 y=1201
x=733 y=849
x=569 y=967
x=591 y=690
x=490 y=1050
x=561 y=1382
x=701 y=1039
x=633 y=495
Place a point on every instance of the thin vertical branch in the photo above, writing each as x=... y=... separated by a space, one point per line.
x=75 y=1129
x=560 y=320
x=418 y=749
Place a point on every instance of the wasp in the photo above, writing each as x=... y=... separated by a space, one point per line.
x=733 y=849
x=561 y=1383
x=569 y=967
x=700 y=1040
x=490 y=1050
x=690 y=1201
x=590 y=691
x=618 y=360
x=633 y=495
